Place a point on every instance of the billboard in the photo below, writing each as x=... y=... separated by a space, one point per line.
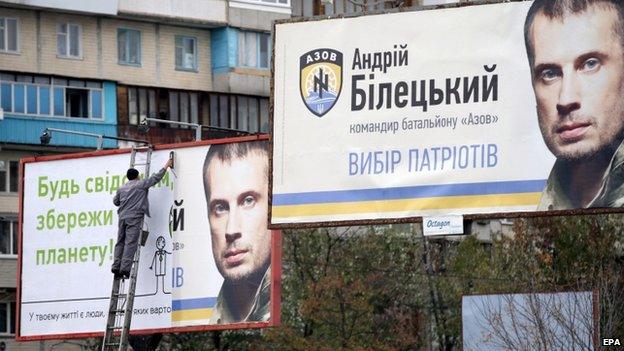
x=552 y=321
x=443 y=112
x=209 y=261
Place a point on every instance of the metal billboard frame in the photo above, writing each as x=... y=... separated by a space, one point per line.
x=276 y=251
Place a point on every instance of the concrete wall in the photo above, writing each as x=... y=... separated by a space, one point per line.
x=254 y=19
x=243 y=81
x=199 y=11
x=108 y=7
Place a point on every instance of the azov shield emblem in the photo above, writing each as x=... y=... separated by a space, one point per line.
x=320 y=79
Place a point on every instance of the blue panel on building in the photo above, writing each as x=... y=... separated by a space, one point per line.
x=110 y=104
x=224 y=48
x=25 y=128
x=96 y=104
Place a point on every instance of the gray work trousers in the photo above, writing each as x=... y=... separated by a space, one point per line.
x=127 y=240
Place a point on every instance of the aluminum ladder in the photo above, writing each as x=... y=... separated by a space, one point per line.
x=121 y=301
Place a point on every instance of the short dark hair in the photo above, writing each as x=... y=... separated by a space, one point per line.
x=132 y=174
x=559 y=9
x=228 y=152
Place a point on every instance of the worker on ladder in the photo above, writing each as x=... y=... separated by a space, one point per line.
x=131 y=198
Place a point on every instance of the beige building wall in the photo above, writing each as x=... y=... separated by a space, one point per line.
x=38 y=54
x=146 y=73
x=8 y=267
x=8 y=203
x=26 y=59
x=50 y=63
x=169 y=76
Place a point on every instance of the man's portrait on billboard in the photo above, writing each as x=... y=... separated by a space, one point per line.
x=236 y=187
x=576 y=56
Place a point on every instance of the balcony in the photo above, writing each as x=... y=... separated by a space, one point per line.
x=158 y=135
x=33 y=103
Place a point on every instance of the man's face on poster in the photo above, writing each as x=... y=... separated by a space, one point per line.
x=578 y=78
x=237 y=212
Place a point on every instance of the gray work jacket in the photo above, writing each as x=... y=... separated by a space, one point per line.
x=132 y=196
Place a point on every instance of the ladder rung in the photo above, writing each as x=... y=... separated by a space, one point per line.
x=117 y=311
x=113 y=327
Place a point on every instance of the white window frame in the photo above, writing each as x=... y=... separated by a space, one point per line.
x=196 y=58
x=13 y=222
x=7 y=165
x=241 y=48
x=51 y=101
x=5 y=49
x=67 y=41
x=126 y=62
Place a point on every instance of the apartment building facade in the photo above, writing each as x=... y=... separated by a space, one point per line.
x=100 y=67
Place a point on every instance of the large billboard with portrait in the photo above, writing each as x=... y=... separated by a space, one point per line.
x=208 y=262
x=499 y=108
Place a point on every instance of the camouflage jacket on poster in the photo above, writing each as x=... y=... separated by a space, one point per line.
x=611 y=193
x=260 y=309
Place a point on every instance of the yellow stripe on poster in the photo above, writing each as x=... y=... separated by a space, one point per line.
x=186 y=315
x=431 y=203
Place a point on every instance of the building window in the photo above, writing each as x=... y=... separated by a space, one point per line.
x=44 y=96
x=184 y=107
x=186 y=53
x=9 y=176
x=68 y=40
x=231 y=111
x=141 y=104
x=254 y=49
x=8 y=35
x=246 y=113
x=7 y=317
x=129 y=46
x=8 y=237
x=77 y=102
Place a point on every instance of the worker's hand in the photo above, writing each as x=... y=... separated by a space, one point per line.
x=169 y=163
